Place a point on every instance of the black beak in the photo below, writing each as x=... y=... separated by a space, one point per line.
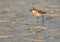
x=30 y=10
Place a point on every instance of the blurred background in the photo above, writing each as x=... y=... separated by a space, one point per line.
x=17 y=23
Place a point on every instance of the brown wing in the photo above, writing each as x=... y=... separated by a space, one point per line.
x=41 y=12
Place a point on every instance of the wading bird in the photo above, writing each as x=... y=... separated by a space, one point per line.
x=37 y=13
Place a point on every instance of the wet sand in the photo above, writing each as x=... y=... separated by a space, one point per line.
x=17 y=23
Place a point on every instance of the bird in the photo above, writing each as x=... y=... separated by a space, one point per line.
x=37 y=13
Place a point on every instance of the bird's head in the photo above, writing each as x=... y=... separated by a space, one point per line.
x=32 y=9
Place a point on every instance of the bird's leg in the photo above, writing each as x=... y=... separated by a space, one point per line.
x=37 y=20
x=42 y=20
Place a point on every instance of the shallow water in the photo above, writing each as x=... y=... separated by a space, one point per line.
x=17 y=23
